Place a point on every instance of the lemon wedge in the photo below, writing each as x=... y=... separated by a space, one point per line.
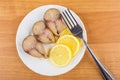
x=60 y=55
x=66 y=31
x=72 y=42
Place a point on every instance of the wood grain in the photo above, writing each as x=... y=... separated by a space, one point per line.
x=102 y=22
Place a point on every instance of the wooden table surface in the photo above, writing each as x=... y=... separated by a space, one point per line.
x=102 y=22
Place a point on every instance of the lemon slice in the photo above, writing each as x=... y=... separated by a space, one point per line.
x=60 y=55
x=66 y=31
x=72 y=42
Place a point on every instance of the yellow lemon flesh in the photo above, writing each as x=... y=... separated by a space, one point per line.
x=60 y=55
x=72 y=42
x=66 y=31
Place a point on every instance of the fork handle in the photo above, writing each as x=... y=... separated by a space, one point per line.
x=104 y=72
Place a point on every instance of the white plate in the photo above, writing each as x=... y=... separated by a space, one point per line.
x=43 y=66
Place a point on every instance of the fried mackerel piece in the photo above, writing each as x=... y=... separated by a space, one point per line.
x=54 y=21
x=33 y=47
x=42 y=33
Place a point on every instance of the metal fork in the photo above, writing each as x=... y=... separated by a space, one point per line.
x=76 y=29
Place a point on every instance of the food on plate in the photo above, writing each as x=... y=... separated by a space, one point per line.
x=42 y=33
x=33 y=47
x=72 y=42
x=60 y=55
x=52 y=30
x=54 y=21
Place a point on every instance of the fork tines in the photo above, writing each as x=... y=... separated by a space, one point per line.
x=72 y=24
x=69 y=19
